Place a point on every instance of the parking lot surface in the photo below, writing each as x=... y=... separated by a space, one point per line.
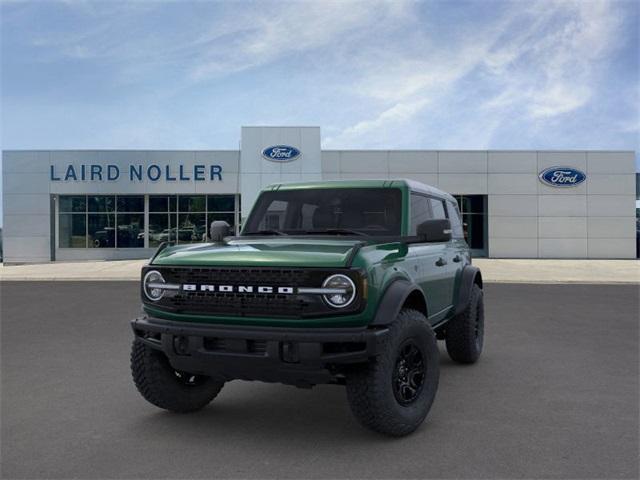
x=555 y=395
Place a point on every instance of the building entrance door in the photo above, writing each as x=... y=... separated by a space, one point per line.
x=473 y=209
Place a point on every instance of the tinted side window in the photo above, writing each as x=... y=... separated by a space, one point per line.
x=437 y=206
x=420 y=211
x=456 y=224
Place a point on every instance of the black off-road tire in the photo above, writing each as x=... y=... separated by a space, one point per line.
x=160 y=384
x=372 y=388
x=464 y=334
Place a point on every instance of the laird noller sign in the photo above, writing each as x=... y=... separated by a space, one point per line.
x=135 y=173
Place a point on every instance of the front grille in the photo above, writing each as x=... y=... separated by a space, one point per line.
x=248 y=304
x=236 y=276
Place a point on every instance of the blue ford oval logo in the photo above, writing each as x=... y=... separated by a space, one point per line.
x=562 y=176
x=281 y=153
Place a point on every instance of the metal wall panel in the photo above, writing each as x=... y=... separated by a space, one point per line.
x=526 y=218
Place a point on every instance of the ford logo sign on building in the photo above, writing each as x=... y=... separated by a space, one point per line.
x=562 y=177
x=281 y=153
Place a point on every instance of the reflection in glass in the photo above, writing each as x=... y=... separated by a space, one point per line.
x=130 y=230
x=471 y=203
x=158 y=203
x=192 y=203
x=101 y=230
x=221 y=203
x=102 y=203
x=131 y=203
x=73 y=203
x=161 y=229
x=97 y=225
x=72 y=230
x=191 y=227
x=474 y=230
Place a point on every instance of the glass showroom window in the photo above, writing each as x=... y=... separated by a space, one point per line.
x=130 y=221
x=222 y=207
x=474 y=217
x=72 y=222
x=162 y=219
x=101 y=221
x=192 y=218
x=184 y=218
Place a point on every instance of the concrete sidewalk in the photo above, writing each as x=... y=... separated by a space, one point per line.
x=493 y=271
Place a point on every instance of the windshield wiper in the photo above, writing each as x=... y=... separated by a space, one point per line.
x=338 y=231
x=265 y=232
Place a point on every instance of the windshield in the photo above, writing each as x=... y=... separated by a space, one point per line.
x=332 y=211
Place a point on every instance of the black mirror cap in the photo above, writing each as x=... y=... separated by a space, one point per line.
x=218 y=230
x=437 y=230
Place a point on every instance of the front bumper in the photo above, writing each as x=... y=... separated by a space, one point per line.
x=272 y=354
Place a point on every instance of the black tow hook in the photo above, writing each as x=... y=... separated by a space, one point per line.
x=181 y=345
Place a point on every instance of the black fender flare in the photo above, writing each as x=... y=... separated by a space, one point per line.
x=393 y=299
x=470 y=275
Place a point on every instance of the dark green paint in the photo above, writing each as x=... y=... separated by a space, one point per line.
x=382 y=262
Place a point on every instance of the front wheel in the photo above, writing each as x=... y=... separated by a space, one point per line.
x=394 y=393
x=163 y=386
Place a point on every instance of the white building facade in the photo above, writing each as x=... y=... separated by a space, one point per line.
x=120 y=204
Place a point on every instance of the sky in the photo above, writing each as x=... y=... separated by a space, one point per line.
x=373 y=74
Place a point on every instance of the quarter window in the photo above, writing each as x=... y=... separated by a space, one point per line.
x=420 y=211
x=437 y=207
x=456 y=224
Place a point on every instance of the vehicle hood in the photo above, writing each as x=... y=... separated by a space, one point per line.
x=282 y=252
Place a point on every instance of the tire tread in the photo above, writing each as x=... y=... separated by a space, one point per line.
x=150 y=369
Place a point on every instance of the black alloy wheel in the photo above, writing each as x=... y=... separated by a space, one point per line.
x=408 y=374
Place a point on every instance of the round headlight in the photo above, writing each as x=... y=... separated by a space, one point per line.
x=344 y=291
x=150 y=285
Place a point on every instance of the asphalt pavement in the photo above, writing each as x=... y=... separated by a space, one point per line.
x=555 y=395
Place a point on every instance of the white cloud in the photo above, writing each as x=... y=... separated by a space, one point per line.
x=391 y=73
x=231 y=37
x=261 y=37
x=543 y=57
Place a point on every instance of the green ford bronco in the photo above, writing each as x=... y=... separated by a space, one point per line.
x=345 y=282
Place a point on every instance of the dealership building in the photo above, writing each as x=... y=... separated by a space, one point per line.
x=121 y=204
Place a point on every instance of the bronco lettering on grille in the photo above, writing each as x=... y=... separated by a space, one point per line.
x=192 y=287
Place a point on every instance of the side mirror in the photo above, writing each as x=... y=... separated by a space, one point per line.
x=218 y=230
x=434 y=230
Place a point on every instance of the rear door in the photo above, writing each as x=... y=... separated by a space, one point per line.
x=460 y=248
x=427 y=262
x=451 y=255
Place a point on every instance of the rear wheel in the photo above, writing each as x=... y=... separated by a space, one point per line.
x=464 y=334
x=163 y=386
x=394 y=393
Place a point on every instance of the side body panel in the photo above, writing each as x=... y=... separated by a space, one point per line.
x=430 y=266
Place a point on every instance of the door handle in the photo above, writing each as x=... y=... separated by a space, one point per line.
x=457 y=258
x=441 y=262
